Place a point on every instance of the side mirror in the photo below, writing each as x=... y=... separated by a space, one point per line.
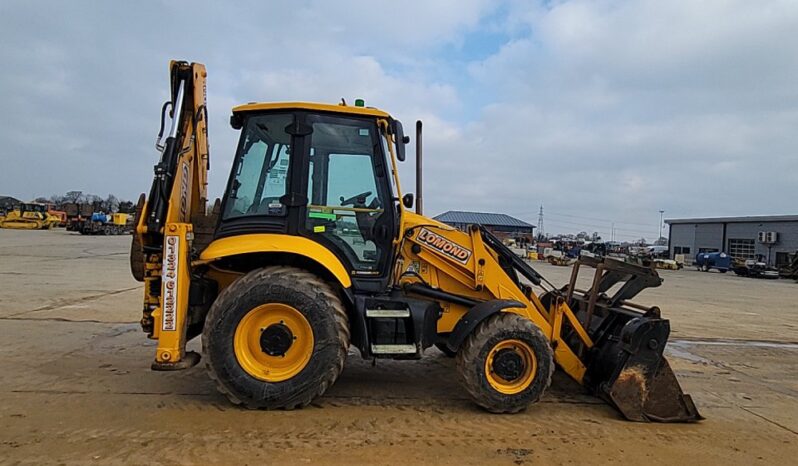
x=236 y=121
x=407 y=200
x=401 y=140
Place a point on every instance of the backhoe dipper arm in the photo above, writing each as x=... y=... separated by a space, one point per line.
x=164 y=229
x=184 y=152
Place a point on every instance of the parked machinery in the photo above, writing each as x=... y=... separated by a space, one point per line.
x=29 y=216
x=754 y=269
x=106 y=224
x=77 y=215
x=790 y=269
x=706 y=261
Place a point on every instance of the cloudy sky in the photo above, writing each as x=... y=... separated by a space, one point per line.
x=603 y=112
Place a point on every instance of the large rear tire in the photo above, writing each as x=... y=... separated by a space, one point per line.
x=506 y=363
x=276 y=338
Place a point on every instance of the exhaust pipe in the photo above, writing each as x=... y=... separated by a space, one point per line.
x=419 y=199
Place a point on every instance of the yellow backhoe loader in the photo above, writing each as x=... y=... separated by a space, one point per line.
x=313 y=248
x=30 y=216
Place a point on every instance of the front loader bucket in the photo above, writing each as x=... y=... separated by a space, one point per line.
x=631 y=373
x=625 y=365
x=658 y=398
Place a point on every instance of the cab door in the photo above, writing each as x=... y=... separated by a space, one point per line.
x=350 y=208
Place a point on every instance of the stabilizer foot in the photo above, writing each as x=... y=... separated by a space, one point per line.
x=190 y=360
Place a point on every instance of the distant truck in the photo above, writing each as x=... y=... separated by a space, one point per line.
x=660 y=252
x=103 y=224
x=707 y=261
x=77 y=215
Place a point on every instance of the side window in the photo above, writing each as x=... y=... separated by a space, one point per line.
x=352 y=175
x=261 y=173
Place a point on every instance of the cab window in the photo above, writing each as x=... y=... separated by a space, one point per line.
x=261 y=170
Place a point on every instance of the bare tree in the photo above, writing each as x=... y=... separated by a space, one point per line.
x=111 y=203
x=97 y=203
x=127 y=207
x=57 y=200
x=74 y=196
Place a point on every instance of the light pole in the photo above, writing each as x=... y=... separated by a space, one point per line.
x=661 y=213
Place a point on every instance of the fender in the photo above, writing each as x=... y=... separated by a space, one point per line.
x=473 y=317
x=266 y=242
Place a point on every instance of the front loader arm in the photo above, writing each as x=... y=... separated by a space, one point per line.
x=476 y=266
x=164 y=230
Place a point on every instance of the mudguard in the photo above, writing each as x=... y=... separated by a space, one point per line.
x=477 y=314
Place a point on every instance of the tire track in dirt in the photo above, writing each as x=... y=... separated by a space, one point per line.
x=70 y=302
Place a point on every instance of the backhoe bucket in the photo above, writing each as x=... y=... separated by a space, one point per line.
x=632 y=374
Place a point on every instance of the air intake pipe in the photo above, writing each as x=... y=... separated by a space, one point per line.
x=419 y=198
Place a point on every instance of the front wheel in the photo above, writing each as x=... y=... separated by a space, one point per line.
x=506 y=363
x=276 y=338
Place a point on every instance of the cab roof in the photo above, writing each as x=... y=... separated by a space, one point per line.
x=350 y=109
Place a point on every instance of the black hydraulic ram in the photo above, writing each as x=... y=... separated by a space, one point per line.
x=165 y=169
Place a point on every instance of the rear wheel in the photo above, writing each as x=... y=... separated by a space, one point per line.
x=276 y=338
x=506 y=363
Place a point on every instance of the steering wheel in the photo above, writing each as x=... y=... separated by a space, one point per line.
x=357 y=200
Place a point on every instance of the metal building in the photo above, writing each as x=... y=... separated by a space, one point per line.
x=496 y=223
x=769 y=238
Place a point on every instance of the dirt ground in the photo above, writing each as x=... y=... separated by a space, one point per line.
x=76 y=386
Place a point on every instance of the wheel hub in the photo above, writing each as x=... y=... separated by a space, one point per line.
x=276 y=339
x=508 y=364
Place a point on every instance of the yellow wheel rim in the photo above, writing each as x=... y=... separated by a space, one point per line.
x=517 y=350
x=248 y=342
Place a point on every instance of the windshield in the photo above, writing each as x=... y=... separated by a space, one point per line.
x=262 y=169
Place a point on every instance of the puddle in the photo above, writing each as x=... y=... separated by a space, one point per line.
x=682 y=348
x=742 y=343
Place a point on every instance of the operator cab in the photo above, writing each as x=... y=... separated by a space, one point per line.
x=318 y=171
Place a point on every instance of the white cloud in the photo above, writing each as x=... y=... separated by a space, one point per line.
x=611 y=109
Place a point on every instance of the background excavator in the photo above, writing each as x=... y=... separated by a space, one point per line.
x=313 y=248
x=29 y=216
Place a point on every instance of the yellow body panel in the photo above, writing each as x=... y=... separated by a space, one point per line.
x=255 y=106
x=267 y=242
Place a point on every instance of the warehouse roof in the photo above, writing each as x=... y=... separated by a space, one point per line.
x=481 y=218
x=747 y=219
